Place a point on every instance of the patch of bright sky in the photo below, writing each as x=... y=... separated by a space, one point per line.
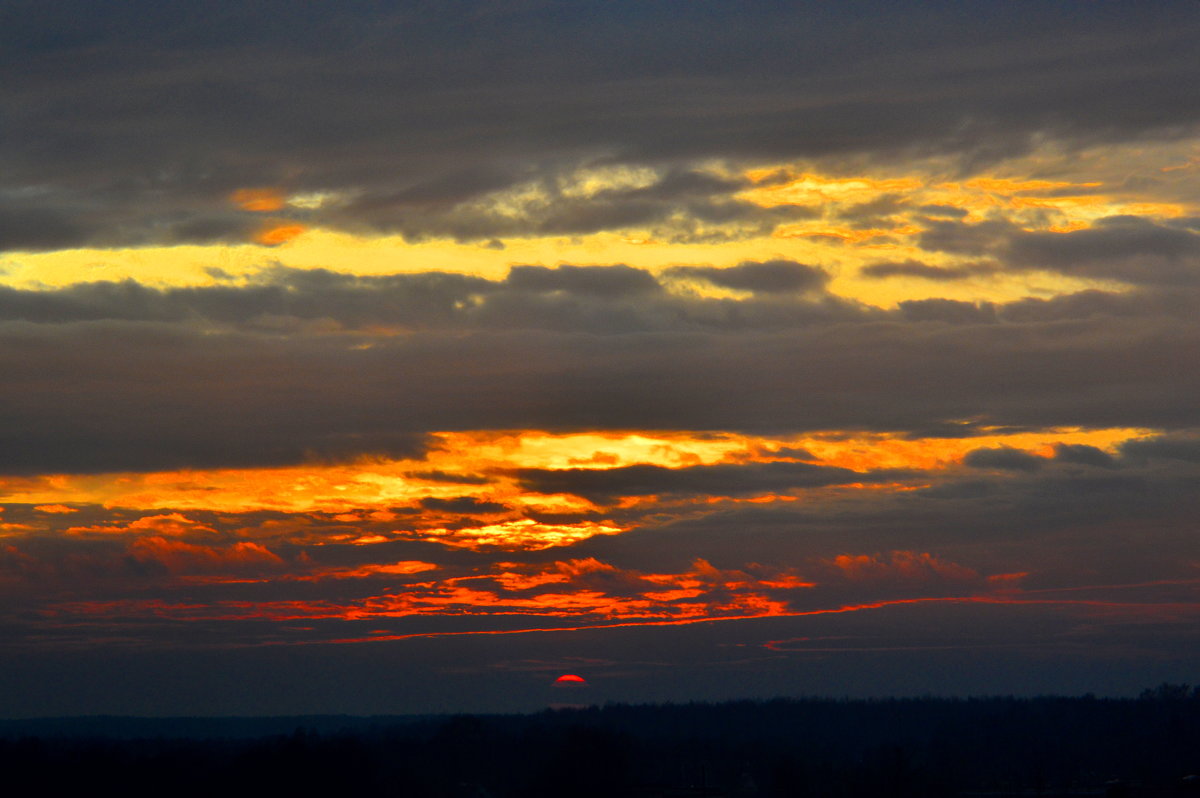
x=1048 y=190
x=197 y=265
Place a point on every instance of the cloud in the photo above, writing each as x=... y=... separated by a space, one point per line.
x=603 y=281
x=251 y=97
x=607 y=485
x=1131 y=249
x=1081 y=454
x=612 y=298
x=38 y=229
x=1003 y=458
x=948 y=310
x=966 y=238
x=1127 y=248
x=57 y=509
x=904 y=570
x=914 y=268
x=466 y=505
x=1181 y=447
x=179 y=557
x=513 y=535
x=595 y=352
x=768 y=277
x=174 y=524
x=937 y=160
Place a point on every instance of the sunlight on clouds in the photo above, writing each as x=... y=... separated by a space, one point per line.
x=258 y=199
x=185 y=265
x=591 y=450
x=812 y=189
x=314 y=199
x=524 y=534
x=402 y=568
x=279 y=234
x=873 y=451
x=837 y=238
x=586 y=590
x=589 y=182
x=482 y=463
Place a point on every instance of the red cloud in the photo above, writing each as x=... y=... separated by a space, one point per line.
x=184 y=558
x=174 y=524
x=905 y=566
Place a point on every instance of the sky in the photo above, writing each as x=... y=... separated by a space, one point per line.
x=384 y=357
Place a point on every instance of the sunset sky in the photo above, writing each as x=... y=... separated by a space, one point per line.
x=382 y=357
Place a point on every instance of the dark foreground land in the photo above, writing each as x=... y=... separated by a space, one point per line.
x=1122 y=748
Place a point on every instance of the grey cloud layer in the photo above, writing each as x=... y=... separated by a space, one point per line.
x=599 y=299
x=1130 y=249
x=131 y=123
x=120 y=376
x=603 y=300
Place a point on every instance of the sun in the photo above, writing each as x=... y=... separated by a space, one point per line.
x=570 y=678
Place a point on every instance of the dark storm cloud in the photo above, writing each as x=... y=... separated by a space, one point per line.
x=157 y=113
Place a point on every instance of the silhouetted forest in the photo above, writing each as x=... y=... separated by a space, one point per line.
x=1120 y=748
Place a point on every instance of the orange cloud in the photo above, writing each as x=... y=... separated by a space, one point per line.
x=908 y=566
x=279 y=234
x=182 y=558
x=524 y=533
x=365 y=492
x=173 y=524
x=587 y=593
x=402 y=568
x=55 y=508
x=1004 y=185
x=809 y=189
x=258 y=200
x=845 y=234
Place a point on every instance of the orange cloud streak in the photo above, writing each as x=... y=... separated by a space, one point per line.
x=362 y=491
x=180 y=557
x=279 y=234
x=258 y=200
